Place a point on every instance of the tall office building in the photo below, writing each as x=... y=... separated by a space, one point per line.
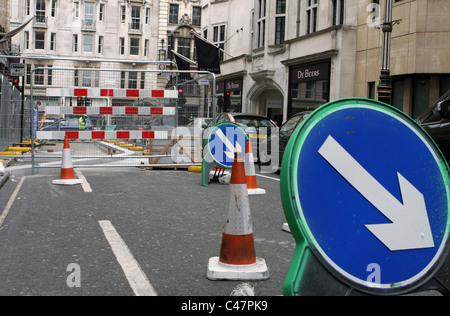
x=101 y=34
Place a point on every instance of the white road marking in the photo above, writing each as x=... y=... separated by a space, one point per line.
x=133 y=272
x=11 y=201
x=85 y=185
x=275 y=179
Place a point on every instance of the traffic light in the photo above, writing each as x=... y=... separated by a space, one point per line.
x=181 y=98
x=79 y=101
x=15 y=82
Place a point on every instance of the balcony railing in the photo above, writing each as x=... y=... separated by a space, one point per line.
x=40 y=21
x=135 y=28
x=88 y=25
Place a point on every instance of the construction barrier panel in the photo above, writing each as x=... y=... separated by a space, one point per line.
x=134 y=117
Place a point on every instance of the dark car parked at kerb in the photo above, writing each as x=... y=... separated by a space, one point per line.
x=282 y=139
x=436 y=121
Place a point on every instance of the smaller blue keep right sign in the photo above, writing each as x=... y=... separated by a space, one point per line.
x=366 y=191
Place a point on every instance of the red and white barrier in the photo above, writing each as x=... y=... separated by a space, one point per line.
x=108 y=110
x=112 y=135
x=116 y=93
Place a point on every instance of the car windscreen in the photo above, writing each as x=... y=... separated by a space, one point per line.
x=251 y=121
x=433 y=115
x=290 y=125
x=74 y=122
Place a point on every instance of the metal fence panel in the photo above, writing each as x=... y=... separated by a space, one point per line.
x=10 y=114
x=134 y=116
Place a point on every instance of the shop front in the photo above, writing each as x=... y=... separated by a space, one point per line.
x=309 y=86
x=229 y=96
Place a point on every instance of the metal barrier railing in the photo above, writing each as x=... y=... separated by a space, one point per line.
x=146 y=116
x=140 y=102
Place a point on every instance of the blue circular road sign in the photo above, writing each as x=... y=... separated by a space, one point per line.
x=224 y=140
x=368 y=190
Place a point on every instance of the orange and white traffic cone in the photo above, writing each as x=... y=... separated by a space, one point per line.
x=250 y=172
x=237 y=260
x=67 y=173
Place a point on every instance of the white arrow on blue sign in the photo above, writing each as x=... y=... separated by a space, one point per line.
x=224 y=140
x=366 y=185
x=410 y=227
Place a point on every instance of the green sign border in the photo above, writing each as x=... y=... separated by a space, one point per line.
x=289 y=195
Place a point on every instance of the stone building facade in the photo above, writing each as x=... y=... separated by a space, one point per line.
x=420 y=52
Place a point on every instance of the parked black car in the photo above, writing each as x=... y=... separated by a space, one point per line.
x=285 y=133
x=258 y=127
x=436 y=121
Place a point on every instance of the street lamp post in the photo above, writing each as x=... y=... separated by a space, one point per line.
x=384 y=88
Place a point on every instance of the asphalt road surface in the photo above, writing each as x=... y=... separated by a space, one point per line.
x=161 y=225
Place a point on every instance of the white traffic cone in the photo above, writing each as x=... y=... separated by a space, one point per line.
x=67 y=173
x=250 y=172
x=237 y=259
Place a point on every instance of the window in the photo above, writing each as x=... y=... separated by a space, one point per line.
x=135 y=18
x=39 y=75
x=299 y=13
x=132 y=80
x=311 y=14
x=134 y=46
x=53 y=12
x=122 y=80
x=123 y=13
x=75 y=43
x=86 y=78
x=88 y=42
x=173 y=13
x=39 y=40
x=27 y=7
x=147 y=15
x=76 y=8
x=75 y=77
x=281 y=6
x=100 y=44
x=196 y=16
x=27 y=39
x=52 y=41
x=101 y=11
x=122 y=46
x=184 y=47
x=40 y=11
x=219 y=36
x=338 y=11
x=97 y=78
x=88 y=14
x=280 y=22
x=49 y=75
x=142 y=80
x=372 y=90
x=28 y=76
x=280 y=30
x=261 y=24
x=146 y=47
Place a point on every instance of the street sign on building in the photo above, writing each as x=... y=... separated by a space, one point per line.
x=17 y=70
x=366 y=194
